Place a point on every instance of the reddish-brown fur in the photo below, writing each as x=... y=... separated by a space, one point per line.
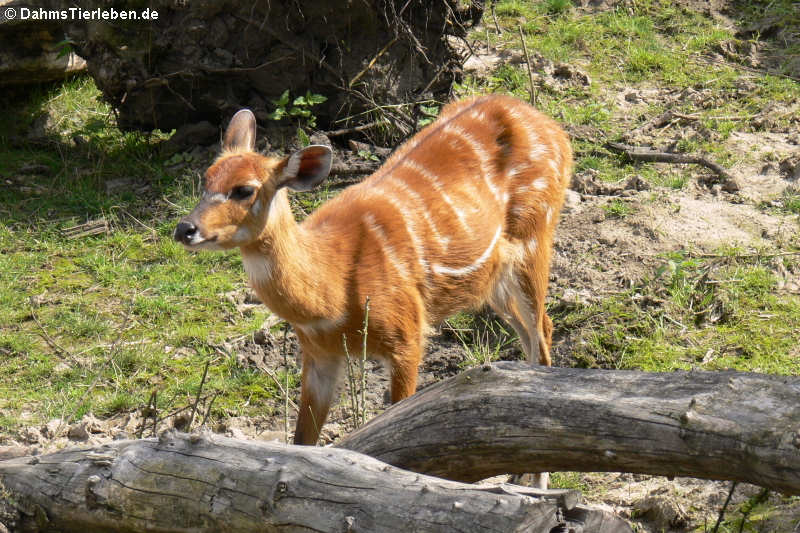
x=461 y=215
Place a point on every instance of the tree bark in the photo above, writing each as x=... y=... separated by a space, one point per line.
x=513 y=418
x=211 y=483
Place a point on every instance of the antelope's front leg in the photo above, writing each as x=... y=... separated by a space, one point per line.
x=320 y=376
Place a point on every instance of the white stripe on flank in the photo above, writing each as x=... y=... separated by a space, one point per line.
x=434 y=181
x=423 y=208
x=480 y=153
x=531 y=245
x=383 y=240
x=540 y=184
x=469 y=269
x=410 y=227
x=549 y=214
x=555 y=166
x=478 y=115
x=538 y=151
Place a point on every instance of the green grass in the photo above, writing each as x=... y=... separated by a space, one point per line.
x=95 y=324
x=711 y=314
x=617 y=209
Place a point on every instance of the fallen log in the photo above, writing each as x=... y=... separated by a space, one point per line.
x=514 y=418
x=205 y=482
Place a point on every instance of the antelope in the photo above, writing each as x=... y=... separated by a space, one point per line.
x=460 y=215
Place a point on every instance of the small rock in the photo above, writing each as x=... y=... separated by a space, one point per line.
x=567 y=72
x=273 y=436
x=181 y=422
x=586 y=182
x=572 y=199
x=790 y=167
x=632 y=97
x=250 y=297
x=31 y=435
x=731 y=186
x=320 y=138
x=51 y=429
x=665 y=512
x=236 y=433
x=78 y=432
x=636 y=183
x=262 y=337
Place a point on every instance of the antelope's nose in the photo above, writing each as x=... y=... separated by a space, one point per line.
x=185 y=232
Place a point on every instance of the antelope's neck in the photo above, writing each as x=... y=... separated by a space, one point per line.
x=289 y=268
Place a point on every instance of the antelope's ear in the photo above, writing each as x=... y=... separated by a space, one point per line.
x=241 y=133
x=306 y=168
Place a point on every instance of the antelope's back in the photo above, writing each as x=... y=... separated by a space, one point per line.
x=488 y=176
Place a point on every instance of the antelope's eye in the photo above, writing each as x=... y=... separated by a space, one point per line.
x=242 y=193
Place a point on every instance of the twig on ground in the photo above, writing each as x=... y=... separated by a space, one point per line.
x=62 y=352
x=356 y=129
x=93 y=227
x=364 y=364
x=286 y=388
x=707 y=59
x=152 y=231
x=656 y=122
x=155 y=412
x=146 y=413
x=722 y=117
x=492 y=7
x=530 y=68
x=197 y=398
x=274 y=377
x=643 y=153
x=208 y=409
x=351 y=382
x=760 y=498
x=746 y=256
x=372 y=61
x=725 y=506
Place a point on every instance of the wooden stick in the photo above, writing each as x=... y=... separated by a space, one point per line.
x=643 y=153
x=199 y=392
x=356 y=129
x=372 y=61
x=530 y=68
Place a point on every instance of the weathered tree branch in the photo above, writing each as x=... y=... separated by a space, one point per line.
x=510 y=417
x=643 y=153
x=211 y=483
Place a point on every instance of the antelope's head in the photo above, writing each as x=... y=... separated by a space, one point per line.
x=240 y=185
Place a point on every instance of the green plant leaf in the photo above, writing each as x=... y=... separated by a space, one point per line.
x=314 y=99
x=303 y=136
x=283 y=100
